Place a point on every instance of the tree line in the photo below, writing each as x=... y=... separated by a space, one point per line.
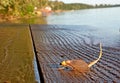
x=20 y=7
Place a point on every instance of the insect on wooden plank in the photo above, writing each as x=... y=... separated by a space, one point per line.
x=80 y=65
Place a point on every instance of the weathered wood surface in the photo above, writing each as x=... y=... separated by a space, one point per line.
x=57 y=43
x=16 y=54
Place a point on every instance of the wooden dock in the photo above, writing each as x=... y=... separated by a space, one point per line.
x=16 y=54
x=55 y=43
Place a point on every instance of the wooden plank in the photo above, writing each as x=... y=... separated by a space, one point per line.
x=55 y=43
x=16 y=54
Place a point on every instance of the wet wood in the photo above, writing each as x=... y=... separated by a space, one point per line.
x=55 y=43
x=16 y=54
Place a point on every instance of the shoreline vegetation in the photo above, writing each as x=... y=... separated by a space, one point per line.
x=11 y=10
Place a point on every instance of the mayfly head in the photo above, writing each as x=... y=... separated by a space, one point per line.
x=65 y=63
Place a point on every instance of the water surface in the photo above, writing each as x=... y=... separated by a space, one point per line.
x=103 y=23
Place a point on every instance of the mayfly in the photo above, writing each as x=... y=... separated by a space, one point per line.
x=80 y=65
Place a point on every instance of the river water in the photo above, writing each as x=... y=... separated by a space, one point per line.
x=101 y=25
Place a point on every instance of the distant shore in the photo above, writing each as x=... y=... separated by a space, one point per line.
x=38 y=13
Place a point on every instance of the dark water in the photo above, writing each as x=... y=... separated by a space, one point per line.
x=101 y=25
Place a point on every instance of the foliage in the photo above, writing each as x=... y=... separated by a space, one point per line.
x=23 y=7
x=73 y=6
x=18 y=7
x=43 y=3
x=106 y=5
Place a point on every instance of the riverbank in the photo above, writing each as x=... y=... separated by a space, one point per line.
x=11 y=18
x=37 y=14
x=16 y=54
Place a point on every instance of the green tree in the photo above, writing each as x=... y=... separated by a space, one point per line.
x=18 y=7
x=43 y=3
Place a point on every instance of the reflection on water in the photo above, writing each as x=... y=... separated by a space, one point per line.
x=104 y=22
x=35 y=20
